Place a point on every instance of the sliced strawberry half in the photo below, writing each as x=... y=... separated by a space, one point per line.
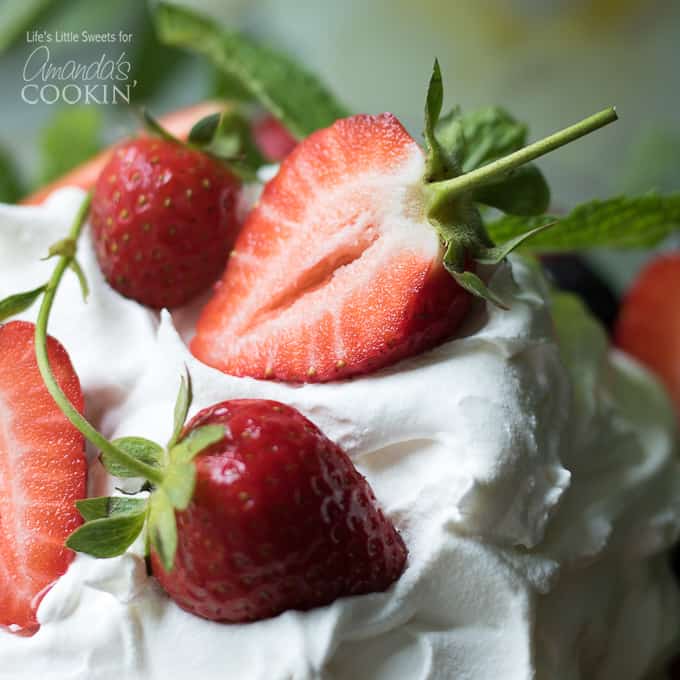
x=337 y=271
x=43 y=472
x=648 y=326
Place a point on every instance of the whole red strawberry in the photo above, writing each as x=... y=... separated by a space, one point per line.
x=279 y=519
x=163 y=220
x=43 y=471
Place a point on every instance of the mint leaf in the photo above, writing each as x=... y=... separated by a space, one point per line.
x=622 y=222
x=15 y=304
x=178 y=484
x=108 y=506
x=109 y=536
x=163 y=528
x=524 y=192
x=480 y=137
x=142 y=449
x=196 y=441
x=227 y=87
x=72 y=137
x=154 y=65
x=292 y=94
x=182 y=404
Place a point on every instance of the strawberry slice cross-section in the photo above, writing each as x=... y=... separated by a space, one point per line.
x=43 y=471
x=337 y=271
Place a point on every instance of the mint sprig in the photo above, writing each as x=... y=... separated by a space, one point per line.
x=622 y=222
x=288 y=91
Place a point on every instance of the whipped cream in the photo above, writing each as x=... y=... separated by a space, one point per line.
x=532 y=471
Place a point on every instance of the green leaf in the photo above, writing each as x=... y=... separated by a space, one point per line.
x=473 y=284
x=524 y=192
x=15 y=304
x=142 y=449
x=622 y=222
x=196 y=441
x=11 y=188
x=234 y=138
x=72 y=137
x=204 y=130
x=182 y=404
x=109 y=506
x=109 y=536
x=497 y=254
x=227 y=87
x=163 y=528
x=292 y=94
x=154 y=65
x=179 y=483
x=481 y=136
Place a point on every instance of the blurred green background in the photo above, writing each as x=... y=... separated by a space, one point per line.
x=549 y=62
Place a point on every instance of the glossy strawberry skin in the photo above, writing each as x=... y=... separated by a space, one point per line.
x=648 y=326
x=336 y=272
x=163 y=220
x=43 y=471
x=280 y=519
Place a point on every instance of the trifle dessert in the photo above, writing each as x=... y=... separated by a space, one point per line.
x=381 y=446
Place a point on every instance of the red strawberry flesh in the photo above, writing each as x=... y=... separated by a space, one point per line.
x=280 y=519
x=43 y=472
x=337 y=271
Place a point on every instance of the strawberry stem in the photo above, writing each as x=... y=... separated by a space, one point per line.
x=78 y=421
x=443 y=191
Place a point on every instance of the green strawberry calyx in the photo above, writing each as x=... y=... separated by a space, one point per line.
x=452 y=195
x=225 y=136
x=113 y=523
